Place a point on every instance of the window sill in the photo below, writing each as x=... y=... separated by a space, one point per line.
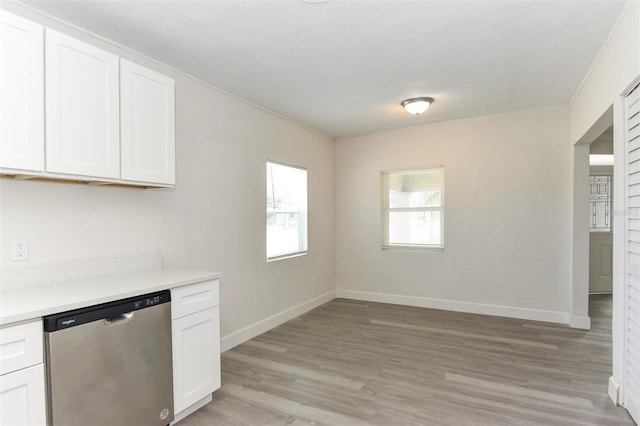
x=412 y=248
x=286 y=256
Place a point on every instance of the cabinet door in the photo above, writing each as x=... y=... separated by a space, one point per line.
x=21 y=93
x=82 y=95
x=20 y=346
x=148 y=125
x=22 y=397
x=196 y=357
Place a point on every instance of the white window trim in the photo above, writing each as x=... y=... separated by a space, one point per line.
x=302 y=223
x=287 y=256
x=386 y=210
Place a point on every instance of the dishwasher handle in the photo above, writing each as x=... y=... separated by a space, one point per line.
x=119 y=319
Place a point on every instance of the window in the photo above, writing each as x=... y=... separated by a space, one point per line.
x=413 y=208
x=600 y=203
x=286 y=211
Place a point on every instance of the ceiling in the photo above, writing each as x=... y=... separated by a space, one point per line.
x=343 y=66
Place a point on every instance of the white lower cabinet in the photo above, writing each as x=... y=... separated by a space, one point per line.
x=196 y=359
x=22 y=397
x=22 y=383
x=196 y=346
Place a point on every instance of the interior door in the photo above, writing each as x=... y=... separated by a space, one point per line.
x=631 y=388
x=600 y=262
x=600 y=236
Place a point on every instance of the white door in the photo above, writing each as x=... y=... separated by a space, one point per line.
x=631 y=389
x=148 y=125
x=196 y=357
x=600 y=262
x=600 y=235
x=82 y=108
x=22 y=397
x=21 y=93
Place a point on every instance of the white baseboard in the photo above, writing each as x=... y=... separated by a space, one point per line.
x=583 y=323
x=614 y=391
x=458 y=306
x=247 y=333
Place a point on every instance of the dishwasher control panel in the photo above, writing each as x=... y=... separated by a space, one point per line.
x=105 y=311
x=149 y=301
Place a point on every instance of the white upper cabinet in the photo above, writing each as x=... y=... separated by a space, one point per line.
x=69 y=110
x=21 y=93
x=147 y=114
x=82 y=108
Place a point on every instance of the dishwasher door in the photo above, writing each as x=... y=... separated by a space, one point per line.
x=111 y=364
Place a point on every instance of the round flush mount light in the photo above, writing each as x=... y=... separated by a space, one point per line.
x=416 y=105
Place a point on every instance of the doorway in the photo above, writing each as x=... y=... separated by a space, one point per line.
x=601 y=214
x=624 y=114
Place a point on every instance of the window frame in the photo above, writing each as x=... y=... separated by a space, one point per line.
x=303 y=227
x=386 y=210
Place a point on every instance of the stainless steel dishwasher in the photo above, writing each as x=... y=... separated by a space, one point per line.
x=110 y=364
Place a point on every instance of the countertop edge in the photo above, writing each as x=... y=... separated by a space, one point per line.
x=186 y=277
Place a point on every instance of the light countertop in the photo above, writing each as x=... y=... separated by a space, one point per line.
x=30 y=302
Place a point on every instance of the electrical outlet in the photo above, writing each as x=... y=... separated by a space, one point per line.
x=20 y=250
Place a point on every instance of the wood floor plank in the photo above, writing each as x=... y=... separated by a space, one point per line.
x=515 y=391
x=354 y=363
x=293 y=408
x=469 y=335
x=295 y=371
x=267 y=346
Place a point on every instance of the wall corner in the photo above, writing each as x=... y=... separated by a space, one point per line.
x=614 y=391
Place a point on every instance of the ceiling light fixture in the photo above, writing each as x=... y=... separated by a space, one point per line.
x=416 y=105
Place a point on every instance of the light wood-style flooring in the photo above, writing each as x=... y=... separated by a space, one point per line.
x=360 y=363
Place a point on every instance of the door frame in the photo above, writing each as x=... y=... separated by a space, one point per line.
x=579 y=313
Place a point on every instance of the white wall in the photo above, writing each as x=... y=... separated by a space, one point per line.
x=596 y=106
x=507 y=216
x=213 y=220
x=616 y=67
